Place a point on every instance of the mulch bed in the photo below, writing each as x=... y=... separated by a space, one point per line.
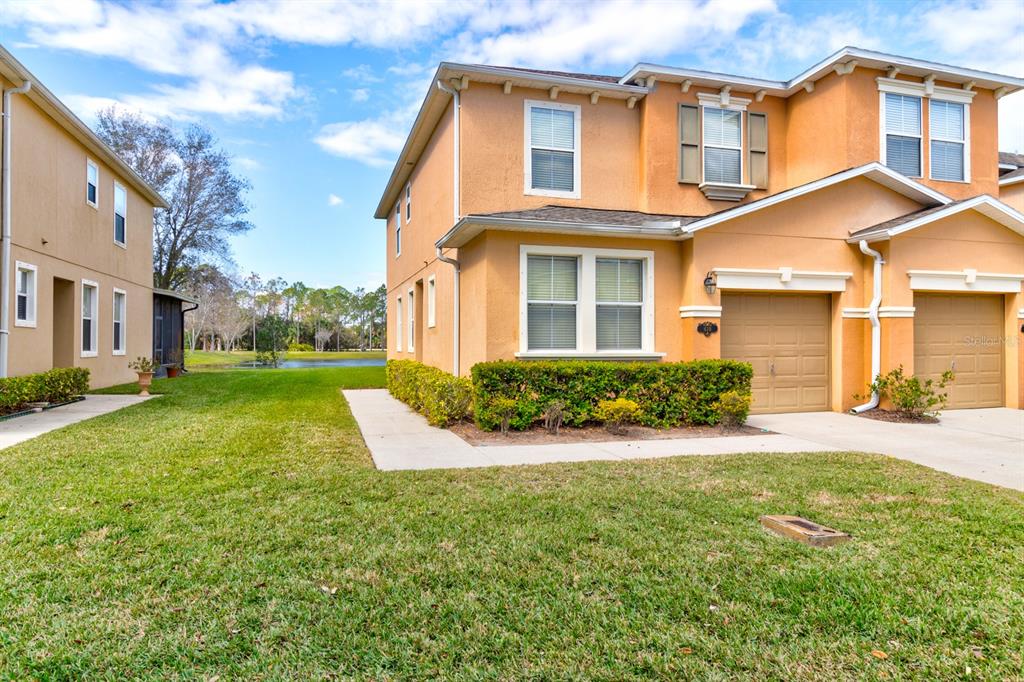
x=538 y=435
x=898 y=417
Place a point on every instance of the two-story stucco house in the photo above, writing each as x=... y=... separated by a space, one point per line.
x=823 y=228
x=78 y=253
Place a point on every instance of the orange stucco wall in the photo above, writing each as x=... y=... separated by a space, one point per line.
x=1013 y=195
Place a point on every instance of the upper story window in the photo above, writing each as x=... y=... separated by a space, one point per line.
x=723 y=145
x=120 y=214
x=948 y=140
x=92 y=183
x=408 y=202
x=711 y=146
x=902 y=121
x=120 y=299
x=90 y=302
x=398 y=230
x=25 y=313
x=552 y=154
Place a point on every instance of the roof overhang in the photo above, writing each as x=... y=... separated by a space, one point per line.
x=872 y=171
x=15 y=71
x=175 y=294
x=470 y=226
x=1004 y=182
x=984 y=204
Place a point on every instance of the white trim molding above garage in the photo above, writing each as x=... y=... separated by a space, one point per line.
x=883 y=311
x=966 y=280
x=701 y=311
x=780 y=279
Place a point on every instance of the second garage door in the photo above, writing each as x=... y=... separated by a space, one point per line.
x=963 y=333
x=785 y=337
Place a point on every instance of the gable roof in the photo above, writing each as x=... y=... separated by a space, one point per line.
x=1011 y=159
x=16 y=72
x=984 y=204
x=1012 y=178
x=872 y=171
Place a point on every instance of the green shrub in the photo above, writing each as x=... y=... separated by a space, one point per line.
x=614 y=413
x=505 y=408
x=667 y=394
x=910 y=396
x=733 y=407
x=54 y=386
x=439 y=396
x=300 y=348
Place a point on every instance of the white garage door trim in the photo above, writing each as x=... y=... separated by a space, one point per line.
x=780 y=279
x=965 y=281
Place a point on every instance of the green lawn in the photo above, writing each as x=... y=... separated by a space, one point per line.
x=235 y=527
x=203 y=358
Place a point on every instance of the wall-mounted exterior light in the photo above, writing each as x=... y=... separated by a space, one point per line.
x=709 y=284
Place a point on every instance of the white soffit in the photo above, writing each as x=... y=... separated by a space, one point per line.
x=780 y=279
x=965 y=281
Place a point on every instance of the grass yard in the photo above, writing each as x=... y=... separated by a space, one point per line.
x=205 y=358
x=235 y=527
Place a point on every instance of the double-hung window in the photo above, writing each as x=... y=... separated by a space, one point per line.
x=120 y=309
x=398 y=230
x=552 y=154
x=947 y=139
x=120 y=214
x=902 y=123
x=90 y=313
x=408 y=202
x=92 y=183
x=552 y=292
x=620 y=301
x=723 y=145
x=25 y=292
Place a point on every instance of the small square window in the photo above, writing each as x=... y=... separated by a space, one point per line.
x=92 y=183
x=120 y=213
x=25 y=295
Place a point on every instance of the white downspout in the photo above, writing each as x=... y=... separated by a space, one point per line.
x=876 y=328
x=455 y=218
x=5 y=232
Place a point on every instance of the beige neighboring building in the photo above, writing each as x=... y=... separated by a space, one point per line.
x=848 y=220
x=81 y=258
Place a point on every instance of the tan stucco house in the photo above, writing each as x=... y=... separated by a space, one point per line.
x=78 y=261
x=844 y=222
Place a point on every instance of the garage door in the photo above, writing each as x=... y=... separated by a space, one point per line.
x=962 y=333
x=786 y=339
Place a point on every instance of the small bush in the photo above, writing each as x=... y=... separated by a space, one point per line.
x=668 y=393
x=910 y=396
x=553 y=416
x=439 y=396
x=300 y=348
x=54 y=386
x=505 y=408
x=615 y=413
x=268 y=358
x=733 y=407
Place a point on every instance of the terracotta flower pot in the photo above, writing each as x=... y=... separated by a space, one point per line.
x=145 y=379
x=173 y=371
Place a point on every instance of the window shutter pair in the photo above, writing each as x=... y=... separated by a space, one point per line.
x=689 y=146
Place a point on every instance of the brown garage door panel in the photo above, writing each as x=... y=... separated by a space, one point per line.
x=963 y=333
x=789 y=331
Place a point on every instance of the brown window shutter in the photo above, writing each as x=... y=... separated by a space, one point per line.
x=689 y=144
x=757 y=127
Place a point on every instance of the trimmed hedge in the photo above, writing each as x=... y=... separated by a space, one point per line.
x=668 y=393
x=55 y=386
x=439 y=396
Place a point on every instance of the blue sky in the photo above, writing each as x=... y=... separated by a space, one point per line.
x=314 y=98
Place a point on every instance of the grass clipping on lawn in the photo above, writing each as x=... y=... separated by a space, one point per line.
x=235 y=527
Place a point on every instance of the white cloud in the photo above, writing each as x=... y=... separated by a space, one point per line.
x=246 y=163
x=375 y=142
x=335 y=200
x=359 y=94
x=363 y=74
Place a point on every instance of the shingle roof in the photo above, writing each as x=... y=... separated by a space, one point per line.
x=900 y=220
x=597 y=216
x=1012 y=175
x=566 y=74
x=1012 y=159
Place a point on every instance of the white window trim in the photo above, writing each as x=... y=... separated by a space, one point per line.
x=89 y=163
x=124 y=322
x=399 y=311
x=924 y=90
x=117 y=186
x=743 y=166
x=410 y=315
x=32 y=297
x=586 y=302
x=577 y=159
x=95 y=321
x=883 y=144
x=431 y=302
x=966 y=142
x=398 y=229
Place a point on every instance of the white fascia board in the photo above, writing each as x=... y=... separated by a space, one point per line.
x=874 y=170
x=470 y=226
x=706 y=78
x=1011 y=181
x=531 y=79
x=984 y=204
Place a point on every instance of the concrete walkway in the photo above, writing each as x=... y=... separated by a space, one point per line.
x=985 y=445
x=398 y=438
x=20 y=429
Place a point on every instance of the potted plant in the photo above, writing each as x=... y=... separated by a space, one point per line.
x=173 y=371
x=144 y=367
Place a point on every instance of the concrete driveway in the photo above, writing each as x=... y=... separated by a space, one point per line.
x=985 y=445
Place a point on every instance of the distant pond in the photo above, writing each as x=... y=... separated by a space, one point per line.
x=306 y=364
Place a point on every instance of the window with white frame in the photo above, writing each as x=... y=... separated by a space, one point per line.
x=25 y=293
x=584 y=301
x=552 y=154
x=431 y=301
x=947 y=126
x=398 y=324
x=398 y=230
x=120 y=310
x=902 y=124
x=120 y=214
x=411 y=333
x=92 y=183
x=408 y=202
x=723 y=145
x=90 y=313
